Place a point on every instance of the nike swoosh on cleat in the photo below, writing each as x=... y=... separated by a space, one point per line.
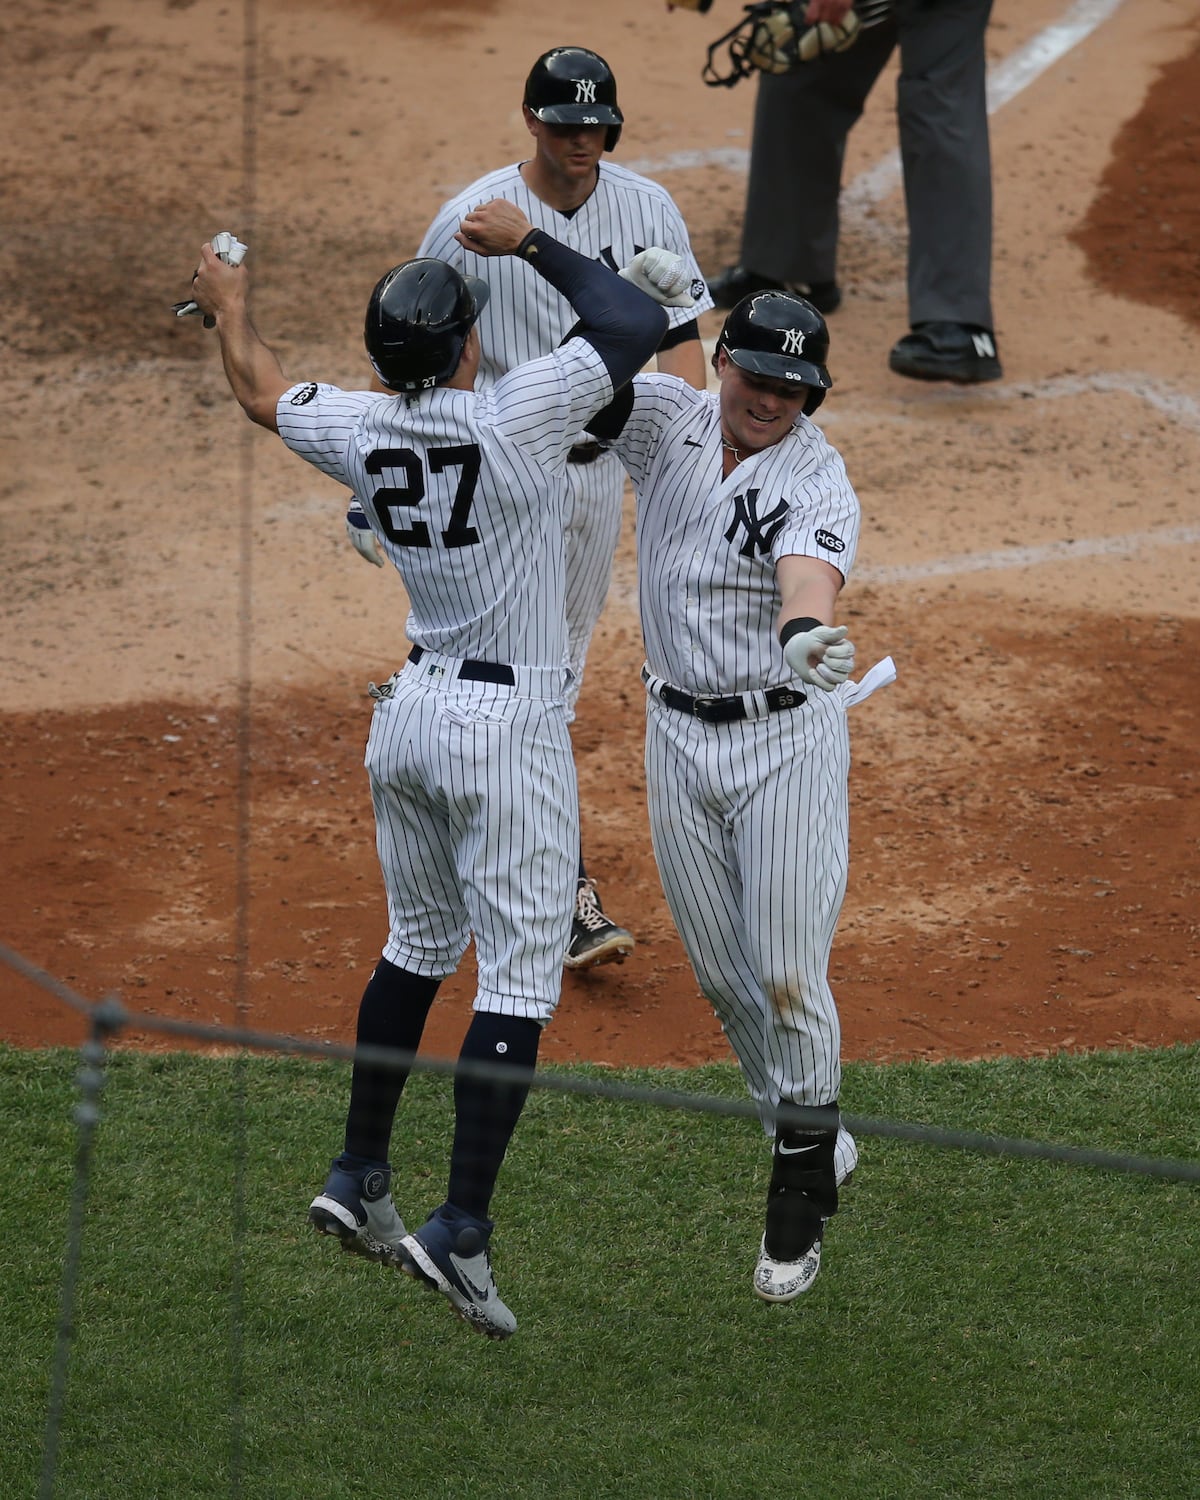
x=480 y=1294
x=794 y=1150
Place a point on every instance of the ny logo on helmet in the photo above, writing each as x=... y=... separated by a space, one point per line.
x=585 y=90
x=793 y=341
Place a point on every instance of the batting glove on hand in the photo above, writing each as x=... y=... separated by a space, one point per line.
x=362 y=538
x=833 y=653
x=232 y=252
x=661 y=274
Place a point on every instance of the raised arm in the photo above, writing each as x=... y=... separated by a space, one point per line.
x=622 y=324
x=253 y=372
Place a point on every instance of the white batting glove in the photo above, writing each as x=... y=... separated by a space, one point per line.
x=661 y=274
x=822 y=656
x=362 y=538
x=233 y=253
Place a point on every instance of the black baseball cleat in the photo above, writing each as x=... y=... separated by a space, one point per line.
x=947 y=351
x=356 y=1207
x=736 y=282
x=594 y=939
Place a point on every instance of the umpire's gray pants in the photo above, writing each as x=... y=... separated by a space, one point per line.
x=801 y=123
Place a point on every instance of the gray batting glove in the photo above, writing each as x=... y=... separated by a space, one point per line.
x=362 y=538
x=822 y=656
x=661 y=274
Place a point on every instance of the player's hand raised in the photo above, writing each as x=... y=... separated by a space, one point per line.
x=494 y=228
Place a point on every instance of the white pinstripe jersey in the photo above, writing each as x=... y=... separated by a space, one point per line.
x=525 y=316
x=464 y=490
x=708 y=546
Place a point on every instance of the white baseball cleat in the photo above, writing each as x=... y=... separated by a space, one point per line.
x=783 y=1280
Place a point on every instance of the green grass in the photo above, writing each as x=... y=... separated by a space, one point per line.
x=981 y=1327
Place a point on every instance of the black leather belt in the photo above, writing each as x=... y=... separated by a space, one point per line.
x=475 y=671
x=586 y=453
x=726 y=710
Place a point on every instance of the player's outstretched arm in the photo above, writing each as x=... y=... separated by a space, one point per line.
x=818 y=652
x=622 y=324
x=253 y=372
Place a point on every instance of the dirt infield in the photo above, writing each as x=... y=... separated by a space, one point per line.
x=180 y=606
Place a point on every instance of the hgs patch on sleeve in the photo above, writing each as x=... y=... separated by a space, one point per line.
x=304 y=395
x=830 y=542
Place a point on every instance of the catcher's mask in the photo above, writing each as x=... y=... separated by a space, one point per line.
x=418 y=320
x=780 y=336
x=573 y=86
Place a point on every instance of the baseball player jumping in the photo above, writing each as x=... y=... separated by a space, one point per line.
x=609 y=214
x=469 y=754
x=746 y=531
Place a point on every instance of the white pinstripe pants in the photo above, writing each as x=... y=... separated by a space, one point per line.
x=477 y=831
x=593 y=529
x=750 y=825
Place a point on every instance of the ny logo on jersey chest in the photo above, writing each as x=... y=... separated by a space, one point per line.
x=761 y=530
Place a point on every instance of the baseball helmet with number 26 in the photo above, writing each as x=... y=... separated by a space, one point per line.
x=781 y=337
x=574 y=86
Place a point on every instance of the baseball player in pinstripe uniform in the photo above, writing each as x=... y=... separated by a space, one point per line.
x=469 y=754
x=746 y=530
x=607 y=213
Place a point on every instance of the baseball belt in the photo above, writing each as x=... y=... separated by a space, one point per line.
x=475 y=671
x=726 y=709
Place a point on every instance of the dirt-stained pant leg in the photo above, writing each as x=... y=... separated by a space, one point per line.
x=749 y=823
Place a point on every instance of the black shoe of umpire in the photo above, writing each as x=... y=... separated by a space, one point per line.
x=736 y=282
x=947 y=351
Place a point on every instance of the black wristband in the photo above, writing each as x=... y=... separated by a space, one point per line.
x=526 y=247
x=796 y=627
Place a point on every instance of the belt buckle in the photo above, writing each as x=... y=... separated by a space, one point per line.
x=700 y=704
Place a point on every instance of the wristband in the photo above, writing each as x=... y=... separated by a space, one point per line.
x=796 y=627
x=527 y=247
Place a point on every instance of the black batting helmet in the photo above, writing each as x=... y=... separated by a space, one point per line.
x=418 y=319
x=781 y=336
x=574 y=86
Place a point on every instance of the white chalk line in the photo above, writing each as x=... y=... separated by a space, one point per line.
x=1003 y=558
x=1177 y=406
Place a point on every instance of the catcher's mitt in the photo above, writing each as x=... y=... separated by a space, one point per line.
x=773 y=37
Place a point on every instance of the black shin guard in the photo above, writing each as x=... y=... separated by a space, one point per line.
x=803 y=1190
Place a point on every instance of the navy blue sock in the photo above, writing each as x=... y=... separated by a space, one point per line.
x=486 y=1111
x=392 y=1013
